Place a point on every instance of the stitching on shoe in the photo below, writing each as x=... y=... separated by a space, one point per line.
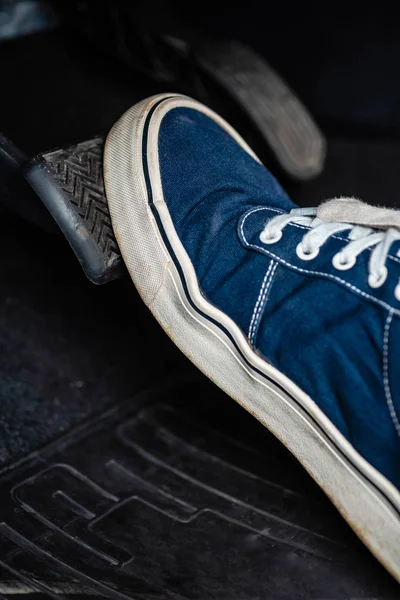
x=262 y=300
x=257 y=304
x=386 y=382
x=308 y=272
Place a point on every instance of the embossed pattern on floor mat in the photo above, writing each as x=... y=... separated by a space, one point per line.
x=177 y=494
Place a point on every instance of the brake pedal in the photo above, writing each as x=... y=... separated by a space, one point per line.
x=281 y=119
x=70 y=183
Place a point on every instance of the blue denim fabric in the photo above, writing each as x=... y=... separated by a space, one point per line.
x=325 y=329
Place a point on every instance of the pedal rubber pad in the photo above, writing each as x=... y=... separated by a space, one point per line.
x=278 y=115
x=70 y=183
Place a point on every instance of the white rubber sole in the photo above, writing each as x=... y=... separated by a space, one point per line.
x=166 y=281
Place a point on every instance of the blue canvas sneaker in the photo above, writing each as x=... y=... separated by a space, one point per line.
x=293 y=312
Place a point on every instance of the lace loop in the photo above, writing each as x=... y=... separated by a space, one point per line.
x=360 y=238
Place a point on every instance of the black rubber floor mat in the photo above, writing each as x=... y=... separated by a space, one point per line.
x=177 y=494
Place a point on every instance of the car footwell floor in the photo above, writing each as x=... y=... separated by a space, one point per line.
x=124 y=473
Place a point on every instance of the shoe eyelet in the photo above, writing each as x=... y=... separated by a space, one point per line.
x=374 y=282
x=306 y=255
x=341 y=265
x=270 y=240
x=397 y=292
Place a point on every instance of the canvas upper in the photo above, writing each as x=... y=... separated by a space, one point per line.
x=326 y=329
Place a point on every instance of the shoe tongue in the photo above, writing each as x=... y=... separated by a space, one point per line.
x=356 y=212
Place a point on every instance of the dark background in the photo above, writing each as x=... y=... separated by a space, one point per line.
x=68 y=348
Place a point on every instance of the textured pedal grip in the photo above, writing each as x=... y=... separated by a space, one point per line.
x=71 y=185
x=281 y=119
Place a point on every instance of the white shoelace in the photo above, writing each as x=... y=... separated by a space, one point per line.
x=369 y=227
